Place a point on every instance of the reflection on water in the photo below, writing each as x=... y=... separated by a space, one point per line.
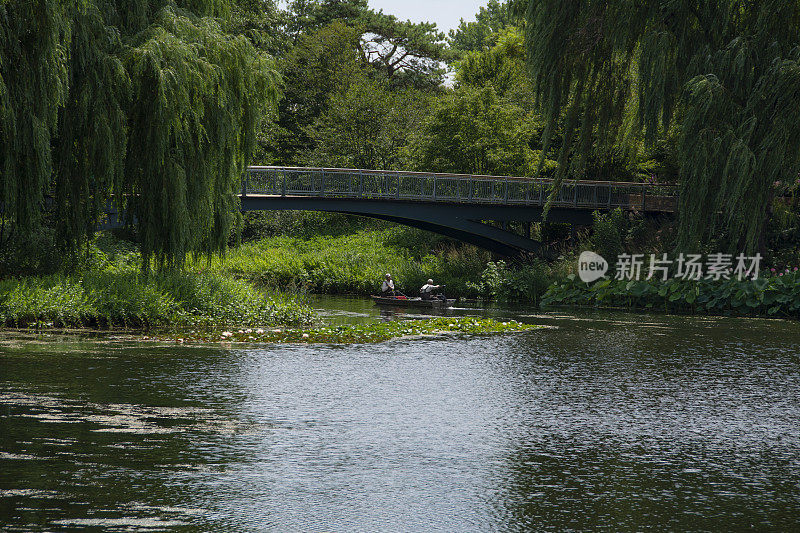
x=344 y=310
x=610 y=421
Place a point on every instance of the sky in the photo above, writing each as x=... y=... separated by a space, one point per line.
x=445 y=13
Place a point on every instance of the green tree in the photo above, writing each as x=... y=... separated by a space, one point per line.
x=319 y=65
x=722 y=76
x=34 y=84
x=309 y=16
x=262 y=23
x=325 y=62
x=472 y=131
x=151 y=103
x=490 y=20
x=407 y=53
x=502 y=66
x=368 y=126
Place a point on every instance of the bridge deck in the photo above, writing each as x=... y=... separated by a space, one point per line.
x=455 y=188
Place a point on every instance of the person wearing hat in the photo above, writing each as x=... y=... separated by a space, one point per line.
x=387 y=287
x=427 y=290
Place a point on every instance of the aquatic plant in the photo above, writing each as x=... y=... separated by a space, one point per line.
x=776 y=295
x=360 y=333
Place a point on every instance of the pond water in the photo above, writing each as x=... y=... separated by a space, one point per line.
x=609 y=421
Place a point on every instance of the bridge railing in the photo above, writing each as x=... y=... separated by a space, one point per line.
x=458 y=188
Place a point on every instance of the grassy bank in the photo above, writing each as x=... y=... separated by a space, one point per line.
x=355 y=263
x=124 y=298
x=351 y=264
x=256 y=284
x=773 y=294
x=259 y=284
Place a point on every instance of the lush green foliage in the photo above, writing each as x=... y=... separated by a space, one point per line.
x=129 y=299
x=502 y=66
x=363 y=333
x=33 y=87
x=490 y=20
x=157 y=105
x=148 y=102
x=354 y=263
x=368 y=126
x=472 y=131
x=608 y=238
x=346 y=54
x=725 y=73
x=777 y=294
x=522 y=283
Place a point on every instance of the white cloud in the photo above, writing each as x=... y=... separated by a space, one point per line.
x=445 y=13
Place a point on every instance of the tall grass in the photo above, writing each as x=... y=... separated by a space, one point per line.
x=352 y=264
x=126 y=298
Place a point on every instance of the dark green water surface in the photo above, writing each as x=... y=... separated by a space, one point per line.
x=608 y=422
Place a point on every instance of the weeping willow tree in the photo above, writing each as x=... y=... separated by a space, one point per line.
x=33 y=87
x=720 y=77
x=193 y=125
x=149 y=104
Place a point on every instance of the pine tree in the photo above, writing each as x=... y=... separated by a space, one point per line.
x=721 y=76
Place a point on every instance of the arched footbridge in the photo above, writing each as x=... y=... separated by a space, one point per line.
x=455 y=205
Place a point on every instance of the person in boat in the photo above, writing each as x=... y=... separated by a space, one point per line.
x=426 y=291
x=387 y=287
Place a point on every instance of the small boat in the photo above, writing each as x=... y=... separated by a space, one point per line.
x=402 y=301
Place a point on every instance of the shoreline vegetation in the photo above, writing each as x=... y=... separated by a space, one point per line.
x=261 y=285
x=772 y=296
x=338 y=84
x=255 y=293
x=359 y=333
x=130 y=300
x=343 y=334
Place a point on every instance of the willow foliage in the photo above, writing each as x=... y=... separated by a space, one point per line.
x=192 y=128
x=33 y=87
x=146 y=102
x=721 y=76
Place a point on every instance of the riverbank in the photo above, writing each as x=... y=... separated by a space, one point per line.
x=123 y=297
x=355 y=263
x=264 y=283
x=773 y=294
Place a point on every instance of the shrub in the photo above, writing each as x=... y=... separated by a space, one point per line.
x=608 y=237
x=775 y=295
x=525 y=283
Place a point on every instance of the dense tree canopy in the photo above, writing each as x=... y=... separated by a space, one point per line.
x=338 y=44
x=321 y=64
x=157 y=106
x=481 y=34
x=369 y=126
x=722 y=77
x=151 y=103
x=308 y=16
x=472 y=131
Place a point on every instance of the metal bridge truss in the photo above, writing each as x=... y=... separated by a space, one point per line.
x=450 y=204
